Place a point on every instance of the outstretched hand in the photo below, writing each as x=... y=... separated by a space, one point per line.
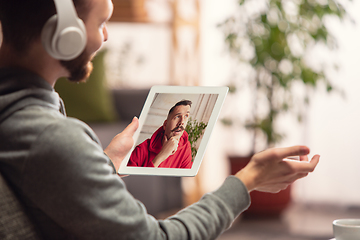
x=121 y=144
x=271 y=171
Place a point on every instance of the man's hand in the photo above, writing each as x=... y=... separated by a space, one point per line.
x=121 y=144
x=169 y=147
x=270 y=171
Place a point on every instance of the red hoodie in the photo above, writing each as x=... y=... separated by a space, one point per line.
x=145 y=152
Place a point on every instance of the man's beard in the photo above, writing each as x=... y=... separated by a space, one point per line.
x=79 y=68
x=178 y=128
x=172 y=134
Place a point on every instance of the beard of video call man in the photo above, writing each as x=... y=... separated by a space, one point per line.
x=169 y=146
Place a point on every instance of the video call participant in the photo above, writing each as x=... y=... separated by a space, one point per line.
x=55 y=164
x=169 y=146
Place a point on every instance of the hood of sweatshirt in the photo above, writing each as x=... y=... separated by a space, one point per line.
x=156 y=139
x=20 y=88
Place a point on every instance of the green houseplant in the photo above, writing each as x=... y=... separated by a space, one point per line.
x=195 y=131
x=272 y=41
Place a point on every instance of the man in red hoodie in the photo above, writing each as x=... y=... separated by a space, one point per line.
x=169 y=146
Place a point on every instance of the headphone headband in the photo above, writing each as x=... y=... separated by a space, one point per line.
x=66 y=13
x=64 y=34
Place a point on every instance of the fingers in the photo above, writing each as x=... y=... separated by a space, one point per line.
x=278 y=186
x=175 y=144
x=132 y=127
x=165 y=139
x=122 y=175
x=314 y=161
x=278 y=154
x=304 y=158
x=273 y=189
x=291 y=179
x=303 y=166
x=291 y=151
x=275 y=168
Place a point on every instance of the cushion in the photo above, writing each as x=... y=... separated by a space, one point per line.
x=90 y=101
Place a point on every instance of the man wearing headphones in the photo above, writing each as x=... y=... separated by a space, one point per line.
x=56 y=165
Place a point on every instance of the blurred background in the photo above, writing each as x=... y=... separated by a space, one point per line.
x=292 y=69
x=291 y=66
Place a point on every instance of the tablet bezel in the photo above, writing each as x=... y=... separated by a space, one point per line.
x=131 y=170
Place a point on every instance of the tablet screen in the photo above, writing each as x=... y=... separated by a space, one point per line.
x=175 y=125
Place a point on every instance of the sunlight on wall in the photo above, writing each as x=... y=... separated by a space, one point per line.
x=333 y=126
x=138 y=55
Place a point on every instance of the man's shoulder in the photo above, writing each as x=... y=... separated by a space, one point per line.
x=43 y=116
x=67 y=139
x=47 y=123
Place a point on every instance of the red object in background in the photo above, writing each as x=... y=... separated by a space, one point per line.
x=262 y=204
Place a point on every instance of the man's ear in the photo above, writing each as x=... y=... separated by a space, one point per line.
x=164 y=124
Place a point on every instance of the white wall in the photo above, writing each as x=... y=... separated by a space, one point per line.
x=215 y=71
x=333 y=126
x=138 y=55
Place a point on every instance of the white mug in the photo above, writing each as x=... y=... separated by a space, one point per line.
x=346 y=229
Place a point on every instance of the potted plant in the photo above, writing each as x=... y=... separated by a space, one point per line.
x=272 y=41
x=195 y=132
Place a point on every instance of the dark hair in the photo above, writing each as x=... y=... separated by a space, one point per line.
x=182 y=102
x=23 y=20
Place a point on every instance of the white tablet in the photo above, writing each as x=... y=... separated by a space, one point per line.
x=175 y=125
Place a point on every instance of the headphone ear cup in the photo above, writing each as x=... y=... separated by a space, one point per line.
x=82 y=28
x=66 y=43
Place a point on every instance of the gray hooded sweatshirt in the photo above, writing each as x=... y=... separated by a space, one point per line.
x=56 y=166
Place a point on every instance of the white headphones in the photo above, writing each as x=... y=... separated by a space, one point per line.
x=64 y=34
